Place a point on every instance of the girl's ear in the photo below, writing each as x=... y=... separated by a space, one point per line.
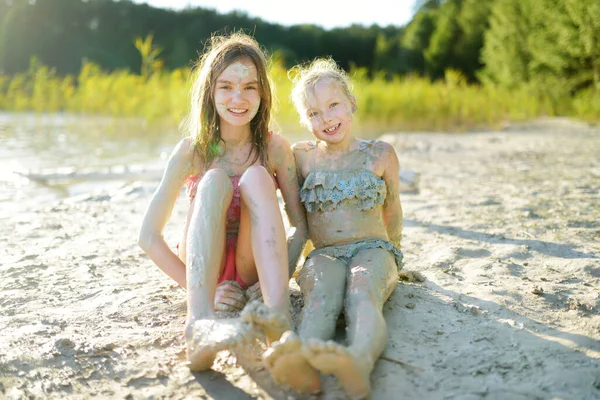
x=353 y=104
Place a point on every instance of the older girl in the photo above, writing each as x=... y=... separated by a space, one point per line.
x=231 y=166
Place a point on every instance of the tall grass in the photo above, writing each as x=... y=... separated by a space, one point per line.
x=402 y=103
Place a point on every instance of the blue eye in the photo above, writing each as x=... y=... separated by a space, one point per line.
x=333 y=105
x=313 y=114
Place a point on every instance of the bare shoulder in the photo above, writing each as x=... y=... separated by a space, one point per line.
x=382 y=155
x=279 y=151
x=384 y=151
x=382 y=146
x=302 y=154
x=182 y=156
x=184 y=148
x=278 y=142
x=303 y=149
x=303 y=146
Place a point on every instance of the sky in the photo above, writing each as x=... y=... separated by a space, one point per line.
x=325 y=13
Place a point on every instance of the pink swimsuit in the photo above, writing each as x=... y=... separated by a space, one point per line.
x=234 y=213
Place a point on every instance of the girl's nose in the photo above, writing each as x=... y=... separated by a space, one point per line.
x=237 y=93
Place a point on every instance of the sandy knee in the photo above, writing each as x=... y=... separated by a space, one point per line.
x=256 y=178
x=217 y=181
x=323 y=277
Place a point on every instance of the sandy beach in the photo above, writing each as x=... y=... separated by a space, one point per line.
x=505 y=226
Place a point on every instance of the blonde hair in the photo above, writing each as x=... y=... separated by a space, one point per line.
x=202 y=123
x=306 y=76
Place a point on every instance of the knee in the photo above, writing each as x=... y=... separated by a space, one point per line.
x=360 y=290
x=215 y=175
x=256 y=177
x=325 y=301
x=216 y=182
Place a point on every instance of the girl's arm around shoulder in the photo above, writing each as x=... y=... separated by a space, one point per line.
x=387 y=162
x=179 y=167
x=284 y=166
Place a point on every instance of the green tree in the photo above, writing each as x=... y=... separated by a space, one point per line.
x=473 y=21
x=567 y=49
x=415 y=41
x=552 y=44
x=439 y=54
x=506 y=52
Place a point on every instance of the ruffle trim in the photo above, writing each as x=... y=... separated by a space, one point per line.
x=349 y=250
x=324 y=190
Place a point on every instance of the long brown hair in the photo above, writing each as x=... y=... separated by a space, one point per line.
x=202 y=123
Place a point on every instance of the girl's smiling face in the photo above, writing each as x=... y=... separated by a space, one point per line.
x=237 y=93
x=329 y=112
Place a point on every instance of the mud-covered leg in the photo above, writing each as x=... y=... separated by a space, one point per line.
x=261 y=226
x=323 y=284
x=204 y=258
x=372 y=278
x=323 y=281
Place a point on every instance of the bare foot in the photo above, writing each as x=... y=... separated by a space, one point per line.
x=411 y=276
x=288 y=366
x=332 y=358
x=206 y=337
x=272 y=323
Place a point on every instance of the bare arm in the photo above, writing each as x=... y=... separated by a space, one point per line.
x=392 y=208
x=159 y=210
x=285 y=168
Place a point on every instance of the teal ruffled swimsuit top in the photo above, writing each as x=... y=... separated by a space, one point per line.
x=359 y=189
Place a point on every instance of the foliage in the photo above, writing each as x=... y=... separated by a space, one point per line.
x=64 y=33
x=458 y=64
x=552 y=46
x=384 y=104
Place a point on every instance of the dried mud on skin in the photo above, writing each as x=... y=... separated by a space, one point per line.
x=505 y=226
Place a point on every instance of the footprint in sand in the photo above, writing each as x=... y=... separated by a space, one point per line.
x=289 y=367
x=332 y=358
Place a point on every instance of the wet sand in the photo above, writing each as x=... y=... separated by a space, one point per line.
x=505 y=227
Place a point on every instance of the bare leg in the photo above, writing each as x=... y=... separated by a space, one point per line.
x=323 y=282
x=373 y=277
x=205 y=246
x=262 y=226
x=182 y=250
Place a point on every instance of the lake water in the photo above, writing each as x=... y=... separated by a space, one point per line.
x=57 y=144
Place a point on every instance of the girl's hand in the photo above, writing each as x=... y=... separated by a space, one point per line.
x=229 y=296
x=254 y=292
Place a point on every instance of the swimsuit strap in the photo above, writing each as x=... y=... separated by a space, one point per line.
x=313 y=168
x=367 y=148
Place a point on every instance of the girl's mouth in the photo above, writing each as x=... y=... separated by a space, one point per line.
x=238 y=111
x=332 y=130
